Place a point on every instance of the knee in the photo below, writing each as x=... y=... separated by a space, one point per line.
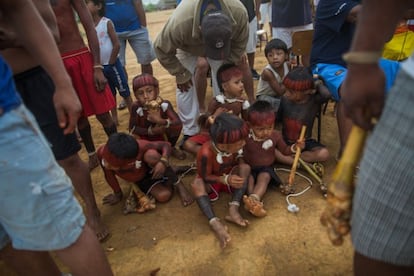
x=202 y=66
x=324 y=154
x=163 y=195
x=197 y=187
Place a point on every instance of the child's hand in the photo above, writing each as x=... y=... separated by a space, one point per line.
x=158 y=170
x=155 y=117
x=300 y=144
x=235 y=181
x=219 y=110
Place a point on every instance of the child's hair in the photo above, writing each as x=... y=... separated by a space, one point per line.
x=143 y=80
x=228 y=128
x=299 y=79
x=226 y=72
x=122 y=146
x=276 y=44
x=261 y=113
x=101 y=12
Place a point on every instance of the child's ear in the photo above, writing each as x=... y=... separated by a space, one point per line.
x=225 y=86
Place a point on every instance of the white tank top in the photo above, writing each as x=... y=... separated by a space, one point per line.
x=105 y=42
x=264 y=88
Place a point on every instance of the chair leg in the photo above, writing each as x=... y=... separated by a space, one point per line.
x=319 y=123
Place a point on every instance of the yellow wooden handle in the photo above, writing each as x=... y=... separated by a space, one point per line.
x=297 y=155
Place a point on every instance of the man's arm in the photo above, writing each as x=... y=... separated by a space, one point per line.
x=363 y=89
x=41 y=45
x=93 y=42
x=139 y=9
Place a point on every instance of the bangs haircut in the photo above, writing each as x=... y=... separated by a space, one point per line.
x=299 y=79
x=226 y=72
x=144 y=80
x=276 y=44
x=261 y=113
x=228 y=129
x=122 y=146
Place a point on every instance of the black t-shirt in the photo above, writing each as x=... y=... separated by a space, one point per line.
x=250 y=7
x=333 y=34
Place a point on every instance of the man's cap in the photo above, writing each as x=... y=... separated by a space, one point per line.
x=216 y=33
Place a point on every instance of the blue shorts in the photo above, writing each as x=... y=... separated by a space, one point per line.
x=140 y=43
x=334 y=75
x=117 y=79
x=38 y=210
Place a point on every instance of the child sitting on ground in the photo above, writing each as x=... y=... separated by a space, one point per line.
x=109 y=49
x=153 y=118
x=299 y=106
x=218 y=169
x=230 y=81
x=142 y=162
x=259 y=153
x=270 y=87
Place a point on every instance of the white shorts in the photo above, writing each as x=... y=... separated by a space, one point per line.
x=252 y=41
x=285 y=34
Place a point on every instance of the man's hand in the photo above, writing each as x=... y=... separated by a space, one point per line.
x=184 y=87
x=363 y=94
x=68 y=108
x=100 y=80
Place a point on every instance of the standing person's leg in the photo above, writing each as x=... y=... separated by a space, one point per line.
x=36 y=263
x=78 y=172
x=251 y=47
x=214 y=66
x=85 y=256
x=200 y=78
x=122 y=37
x=187 y=102
x=383 y=203
x=65 y=147
x=39 y=210
x=142 y=46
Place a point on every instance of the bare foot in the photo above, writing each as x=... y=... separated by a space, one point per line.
x=221 y=232
x=94 y=221
x=93 y=162
x=112 y=199
x=254 y=206
x=235 y=217
x=186 y=197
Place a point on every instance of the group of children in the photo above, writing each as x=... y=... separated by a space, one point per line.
x=236 y=147
x=235 y=150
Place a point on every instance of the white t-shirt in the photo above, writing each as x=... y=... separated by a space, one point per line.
x=408 y=65
x=105 y=42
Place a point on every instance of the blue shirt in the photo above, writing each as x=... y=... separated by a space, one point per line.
x=333 y=34
x=123 y=15
x=9 y=98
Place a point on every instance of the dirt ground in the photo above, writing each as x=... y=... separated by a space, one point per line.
x=177 y=240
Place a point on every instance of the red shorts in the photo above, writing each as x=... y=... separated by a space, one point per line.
x=79 y=65
x=216 y=188
x=200 y=138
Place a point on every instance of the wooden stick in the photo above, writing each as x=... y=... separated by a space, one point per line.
x=337 y=214
x=297 y=155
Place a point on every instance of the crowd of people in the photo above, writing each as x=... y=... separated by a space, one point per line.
x=233 y=141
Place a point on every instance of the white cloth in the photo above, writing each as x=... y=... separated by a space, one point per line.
x=105 y=42
x=187 y=102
